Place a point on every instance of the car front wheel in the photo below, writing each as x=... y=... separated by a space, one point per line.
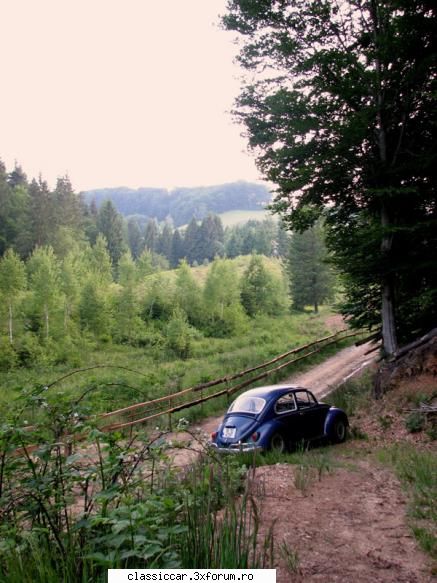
x=277 y=443
x=339 y=431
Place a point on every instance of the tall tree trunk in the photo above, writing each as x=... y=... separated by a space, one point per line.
x=46 y=314
x=11 y=339
x=389 y=339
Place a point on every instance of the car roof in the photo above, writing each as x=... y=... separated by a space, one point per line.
x=272 y=391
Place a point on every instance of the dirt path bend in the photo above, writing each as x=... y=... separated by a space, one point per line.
x=324 y=377
x=320 y=379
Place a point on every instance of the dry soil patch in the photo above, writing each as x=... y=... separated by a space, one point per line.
x=348 y=527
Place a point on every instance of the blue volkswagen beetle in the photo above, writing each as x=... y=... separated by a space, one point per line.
x=275 y=417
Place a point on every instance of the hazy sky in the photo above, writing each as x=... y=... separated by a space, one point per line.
x=120 y=92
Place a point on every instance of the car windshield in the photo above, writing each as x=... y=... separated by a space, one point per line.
x=247 y=404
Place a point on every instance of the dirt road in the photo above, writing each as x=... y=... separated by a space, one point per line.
x=320 y=379
x=323 y=378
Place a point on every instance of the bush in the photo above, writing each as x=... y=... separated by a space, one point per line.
x=8 y=356
x=30 y=351
x=415 y=422
x=179 y=335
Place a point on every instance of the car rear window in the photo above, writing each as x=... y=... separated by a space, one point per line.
x=246 y=404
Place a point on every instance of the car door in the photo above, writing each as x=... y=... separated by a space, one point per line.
x=311 y=413
x=286 y=412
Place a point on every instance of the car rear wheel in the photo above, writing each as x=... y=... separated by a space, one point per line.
x=339 y=431
x=277 y=443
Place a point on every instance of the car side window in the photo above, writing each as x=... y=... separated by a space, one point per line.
x=285 y=404
x=304 y=399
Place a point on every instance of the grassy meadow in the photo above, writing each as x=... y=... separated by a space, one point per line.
x=152 y=372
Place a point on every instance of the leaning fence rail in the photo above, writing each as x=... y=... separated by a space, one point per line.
x=168 y=405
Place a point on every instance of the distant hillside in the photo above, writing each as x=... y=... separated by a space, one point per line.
x=181 y=204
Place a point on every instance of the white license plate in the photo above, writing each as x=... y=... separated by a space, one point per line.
x=229 y=432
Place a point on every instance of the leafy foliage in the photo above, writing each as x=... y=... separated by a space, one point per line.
x=121 y=507
x=341 y=117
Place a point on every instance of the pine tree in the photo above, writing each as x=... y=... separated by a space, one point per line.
x=67 y=205
x=110 y=225
x=192 y=242
x=41 y=215
x=177 y=249
x=261 y=292
x=151 y=236
x=17 y=177
x=165 y=242
x=311 y=279
x=210 y=239
x=135 y=238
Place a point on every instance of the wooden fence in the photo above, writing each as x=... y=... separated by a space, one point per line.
x=167 y=405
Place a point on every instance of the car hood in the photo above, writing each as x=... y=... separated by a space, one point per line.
x=237 y=427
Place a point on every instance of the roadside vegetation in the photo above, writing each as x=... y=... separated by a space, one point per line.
x=115 y=503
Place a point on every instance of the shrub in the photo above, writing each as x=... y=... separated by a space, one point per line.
x=179 y=334
x=415 y=422
x=29 y=350
x=8 y=356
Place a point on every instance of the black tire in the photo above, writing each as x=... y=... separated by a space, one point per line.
x=277 y=443
x=339 y=431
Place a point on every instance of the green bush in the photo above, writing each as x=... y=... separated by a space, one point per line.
x=415 y=422
x=30 y=351
x=179 y=334
x=8 y=356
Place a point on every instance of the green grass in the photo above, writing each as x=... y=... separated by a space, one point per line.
x=417 y=471
x=353 y=395
x=160 y=374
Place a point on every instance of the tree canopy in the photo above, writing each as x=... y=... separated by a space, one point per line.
x=340 y=113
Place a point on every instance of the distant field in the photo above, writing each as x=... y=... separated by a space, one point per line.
x=232 y=218
x=241 y=263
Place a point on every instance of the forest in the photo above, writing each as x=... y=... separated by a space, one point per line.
x=72 y=276
x=181 y=204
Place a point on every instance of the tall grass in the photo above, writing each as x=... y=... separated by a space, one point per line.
x=154 y=372
x=353 y=395
x=117 y=503
x=417 y=471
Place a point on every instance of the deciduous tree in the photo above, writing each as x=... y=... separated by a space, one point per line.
x=341 y=116
x=12 y=283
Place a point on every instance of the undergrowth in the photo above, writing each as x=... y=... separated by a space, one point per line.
x=115 y=503
x=417 y=471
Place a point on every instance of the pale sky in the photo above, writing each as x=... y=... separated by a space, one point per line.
x=120 y=92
